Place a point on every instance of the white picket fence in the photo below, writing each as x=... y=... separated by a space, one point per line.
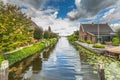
x=4 y=70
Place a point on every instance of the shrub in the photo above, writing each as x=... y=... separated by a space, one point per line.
x=1 y=59
x=115 y=42
x=27 y=51
x=73 y=38
x=98 y=45
x=80 y=40
x=89 y=41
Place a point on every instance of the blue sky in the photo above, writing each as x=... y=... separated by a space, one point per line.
x=65 y=16
x=63 y=6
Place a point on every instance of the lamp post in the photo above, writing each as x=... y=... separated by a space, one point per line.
x=98 y=33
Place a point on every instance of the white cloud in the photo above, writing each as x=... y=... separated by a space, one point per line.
x=47 y=17
x=89 y=8
x=61 y=26
x=115 y=26
x=77 y=2
x=111 y=15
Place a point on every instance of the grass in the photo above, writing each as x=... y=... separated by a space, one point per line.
x=26 y=52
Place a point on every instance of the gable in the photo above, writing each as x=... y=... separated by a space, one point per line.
x=93 y=28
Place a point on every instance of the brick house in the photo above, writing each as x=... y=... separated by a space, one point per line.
x=90 y=32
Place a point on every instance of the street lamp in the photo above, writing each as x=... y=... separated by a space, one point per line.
x=98 y=33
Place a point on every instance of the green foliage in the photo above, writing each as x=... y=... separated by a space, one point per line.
x=49 y=34
x=80 y=40
x=89 y=41
x=98 y=45
x=73 y=37
x=53 y=35
x=115 y=42
x=38 y=33
x=118 y=34
x=1 y=59
x=14 y=27
x=76 y=33
x=28 y=51
x=49 y=29
x=111 y=65
x=46 y=34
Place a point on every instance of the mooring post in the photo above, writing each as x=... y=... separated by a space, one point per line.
x=4 y=70
x=101 y=72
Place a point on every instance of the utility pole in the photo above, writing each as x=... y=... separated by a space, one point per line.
x=98 y=33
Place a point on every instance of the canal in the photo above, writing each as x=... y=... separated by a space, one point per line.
x=63 y=62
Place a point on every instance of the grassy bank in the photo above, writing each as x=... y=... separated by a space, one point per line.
x=28 y=51
x=111 y=65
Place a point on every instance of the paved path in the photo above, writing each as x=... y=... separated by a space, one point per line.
x=17 y=49
x=90 y=46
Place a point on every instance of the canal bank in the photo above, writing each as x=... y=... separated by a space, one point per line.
x=62 y=63
x=20 y=55
x=25 y=66
x=111 y=65
x=28 y=51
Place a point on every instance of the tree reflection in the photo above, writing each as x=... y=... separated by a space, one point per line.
x=25 y=69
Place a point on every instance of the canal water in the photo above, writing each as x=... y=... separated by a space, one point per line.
x=60 y=63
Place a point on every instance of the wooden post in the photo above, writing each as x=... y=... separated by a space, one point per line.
x=4 y=70
x=101 y=72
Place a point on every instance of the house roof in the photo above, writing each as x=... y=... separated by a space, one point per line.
x=115 y=50
x=104 y=29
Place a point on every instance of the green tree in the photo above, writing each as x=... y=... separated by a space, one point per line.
x=49 y=29
x=53 y=35
x=46 y=34
x=38 y=33
x=14 y=27
x=118 y=34
x=76 y=33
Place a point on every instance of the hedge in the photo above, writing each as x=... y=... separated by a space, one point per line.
x=115 y=42
x=98 y=45
x=28 y=51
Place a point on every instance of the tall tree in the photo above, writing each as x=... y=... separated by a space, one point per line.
x=46 y=34
x=118 y=34
x=38 y=33
x=49 y=29
x=14 y=26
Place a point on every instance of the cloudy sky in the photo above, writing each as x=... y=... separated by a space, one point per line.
x=65 y=16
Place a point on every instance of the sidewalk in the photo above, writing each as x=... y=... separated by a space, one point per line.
x=90 y=46
x=20 y=48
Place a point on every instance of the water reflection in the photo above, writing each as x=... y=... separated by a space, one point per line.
x=30 y=66
x=63 y=63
